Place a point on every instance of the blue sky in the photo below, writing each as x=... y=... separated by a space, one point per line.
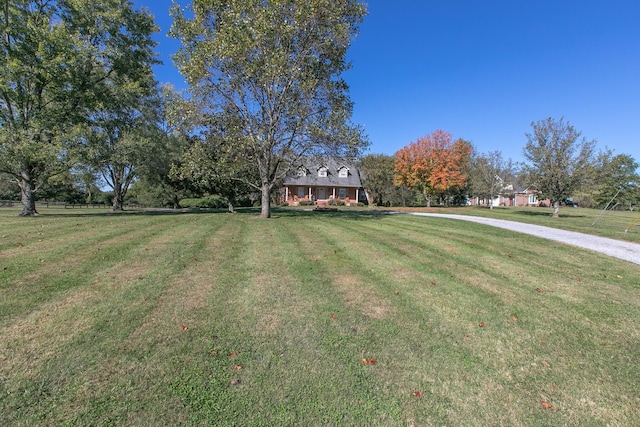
x=483 y=70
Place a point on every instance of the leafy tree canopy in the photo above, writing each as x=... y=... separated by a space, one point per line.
x=434 y=164
x=58 y=63
x=557 y=159
x=268 y=73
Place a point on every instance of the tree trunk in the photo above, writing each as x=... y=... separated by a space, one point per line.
x=556 y=209
x=118 y=199
x=27 y=195
x=265 y=201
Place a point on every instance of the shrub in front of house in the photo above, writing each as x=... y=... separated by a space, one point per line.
x=305 y=203
x=215 y=202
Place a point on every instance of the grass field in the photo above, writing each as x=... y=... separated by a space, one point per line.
x=223 y=319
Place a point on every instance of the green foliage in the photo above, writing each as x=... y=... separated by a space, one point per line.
x=376 y=172
x=491 y=175
x=558 y=159
x=8 y=188
x=59 y=62
x=616 y=181
x=268 y=75
x=215 y=202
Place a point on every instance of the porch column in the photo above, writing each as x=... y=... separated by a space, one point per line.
x=309 y=193
x=286 y=194
x=334 y=193
x=357 y=196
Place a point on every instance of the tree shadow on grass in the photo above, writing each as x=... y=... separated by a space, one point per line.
x=547 y=213
x=276 y=213
x=328 y=213
x=47 y=213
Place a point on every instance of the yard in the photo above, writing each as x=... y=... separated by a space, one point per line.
x=335 y=318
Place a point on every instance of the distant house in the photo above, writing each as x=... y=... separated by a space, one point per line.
x=513 y=195
x=321 y=181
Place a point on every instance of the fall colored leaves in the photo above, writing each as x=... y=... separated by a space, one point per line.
x=433 y=164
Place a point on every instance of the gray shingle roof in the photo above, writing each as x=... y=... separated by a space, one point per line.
x=312 y=165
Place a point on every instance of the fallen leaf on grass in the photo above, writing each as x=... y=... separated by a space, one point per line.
x=333 y=316
x=539 y=290
x=465 y=336
x=235 y=381
x=396 y=292
x=619 y=276
x=237 y=367
x=417 y=393
x=370 y=361
x=183 y=327
x=233 y=354
x=214 y=352
x=433 y=282
x=513 y=317
x=547 y=364
x=481 y=324
x=546 y=404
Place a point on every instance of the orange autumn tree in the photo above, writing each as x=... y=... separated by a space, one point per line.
x=434 y=164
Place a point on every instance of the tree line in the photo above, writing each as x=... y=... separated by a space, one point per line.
x=78 y=96
x=81 y=111
x=559 y=165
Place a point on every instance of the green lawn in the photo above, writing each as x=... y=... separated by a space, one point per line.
x=224 y=319
x=621 y=225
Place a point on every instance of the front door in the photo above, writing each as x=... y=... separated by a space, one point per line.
x=322 y=193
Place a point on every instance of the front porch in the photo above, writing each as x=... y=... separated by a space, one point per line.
x=321 y=196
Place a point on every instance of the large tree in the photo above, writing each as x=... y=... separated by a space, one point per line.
x=270 y=71
x=157 y=185
x=557 y=159
x=434 y=164
x=376 y=172
x=491 y=175
x=57 y=61
x=125 y=134
x=617 y=180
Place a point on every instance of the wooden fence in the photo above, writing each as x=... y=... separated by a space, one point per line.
x=64 y=205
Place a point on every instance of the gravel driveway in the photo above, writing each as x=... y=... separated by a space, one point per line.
x=616 y=248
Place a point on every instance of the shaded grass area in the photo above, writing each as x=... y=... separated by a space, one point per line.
x=221 y=319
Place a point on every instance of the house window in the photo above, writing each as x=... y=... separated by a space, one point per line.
x=343 y=173
x=533 y=199
x=322 y=172
x=342 y=193
x=301 y=192
x=302 y=172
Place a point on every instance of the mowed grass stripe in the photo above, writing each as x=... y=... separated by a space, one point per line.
x=276 y=332
x=156 y=348
x=169 y=335
x=464 y=302
x=66 y=341
x=72 y=261
x=379 y=322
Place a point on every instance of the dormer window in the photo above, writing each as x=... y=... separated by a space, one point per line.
x=302 y=172
x=343 y=172
x=322 y=172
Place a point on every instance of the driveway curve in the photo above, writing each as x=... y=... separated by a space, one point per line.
x=627 y=251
